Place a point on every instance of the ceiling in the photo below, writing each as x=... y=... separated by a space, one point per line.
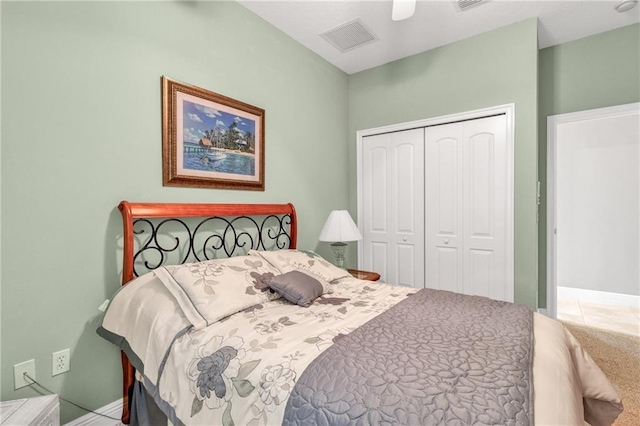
x=435 y=23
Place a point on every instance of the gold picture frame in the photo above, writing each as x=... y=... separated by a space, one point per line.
x=210 y=140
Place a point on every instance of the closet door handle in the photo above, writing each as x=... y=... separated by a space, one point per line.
x=446 y=241
x=404 y=239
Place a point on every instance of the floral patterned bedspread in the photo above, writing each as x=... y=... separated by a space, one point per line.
x=242 y=369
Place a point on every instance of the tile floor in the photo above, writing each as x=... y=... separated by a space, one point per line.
x=615 y=318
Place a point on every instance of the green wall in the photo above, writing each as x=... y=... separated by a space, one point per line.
x=594 y=72
x=81 y=131
x=494 y=68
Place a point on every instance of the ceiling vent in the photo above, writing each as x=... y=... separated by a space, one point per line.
x=349 y=36
x=462 y=5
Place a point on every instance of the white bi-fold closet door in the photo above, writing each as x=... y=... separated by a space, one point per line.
x=467 y=208
x=458 y=217
x=393 y=211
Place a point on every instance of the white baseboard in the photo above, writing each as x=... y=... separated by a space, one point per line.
x=543 y=311
x=606 y=298
x=113 y=409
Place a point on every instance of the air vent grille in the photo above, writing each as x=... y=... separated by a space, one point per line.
x=349 y=36
x=466 y=4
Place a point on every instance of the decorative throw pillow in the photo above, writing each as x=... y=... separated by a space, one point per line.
x=302 y=260
x=299 y=287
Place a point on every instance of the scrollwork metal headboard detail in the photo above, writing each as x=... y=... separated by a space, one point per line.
x=201 y=232
x=205 y=239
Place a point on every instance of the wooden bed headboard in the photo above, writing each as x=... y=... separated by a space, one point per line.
x=223 y=230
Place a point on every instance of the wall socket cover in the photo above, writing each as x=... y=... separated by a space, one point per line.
x=60 y=362
x=28 y=367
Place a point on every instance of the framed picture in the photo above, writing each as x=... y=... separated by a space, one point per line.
x=210 y=140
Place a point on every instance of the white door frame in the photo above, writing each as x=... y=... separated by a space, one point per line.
x=553 y=122
x=508 y=110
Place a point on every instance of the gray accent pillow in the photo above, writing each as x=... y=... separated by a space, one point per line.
x=297 y=287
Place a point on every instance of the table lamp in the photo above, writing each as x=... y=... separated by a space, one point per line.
x=338 y=229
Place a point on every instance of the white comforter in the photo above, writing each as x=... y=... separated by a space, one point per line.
x=241 y=369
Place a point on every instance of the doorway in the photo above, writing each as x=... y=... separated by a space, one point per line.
x=594 y=218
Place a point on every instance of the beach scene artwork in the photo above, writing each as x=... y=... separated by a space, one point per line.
x=210 y=140
x=219 y=141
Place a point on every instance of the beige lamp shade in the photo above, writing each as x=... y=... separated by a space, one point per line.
x=340 y=227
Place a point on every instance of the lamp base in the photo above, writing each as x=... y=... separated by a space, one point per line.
x=338 y=252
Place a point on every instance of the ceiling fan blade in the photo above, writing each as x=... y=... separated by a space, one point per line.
x=403 y=9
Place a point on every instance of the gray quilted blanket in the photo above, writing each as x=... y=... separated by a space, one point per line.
x=435 y=358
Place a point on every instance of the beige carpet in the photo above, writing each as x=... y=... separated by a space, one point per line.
x=618 y=356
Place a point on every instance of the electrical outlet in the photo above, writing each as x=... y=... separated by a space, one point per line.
x=28 y=367
x=60 y=362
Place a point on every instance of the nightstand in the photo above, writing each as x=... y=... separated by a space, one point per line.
x=364 y=275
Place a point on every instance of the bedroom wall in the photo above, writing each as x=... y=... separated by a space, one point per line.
x=494 y=68
x=82 y=131
x=594 y=72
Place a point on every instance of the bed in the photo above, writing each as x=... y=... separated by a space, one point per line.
x=205 y=339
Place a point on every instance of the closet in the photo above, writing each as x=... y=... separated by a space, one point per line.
x=437 y=206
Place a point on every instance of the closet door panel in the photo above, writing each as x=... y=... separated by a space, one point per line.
x=405 y=188
x=481 y=194
x=377 y=162
x=393 y=189
x=466 y=208
x=485 y=198
x=377 y=255
x=481 y=280
x=406 y=272
x=446 y=270
x=376 y=201
x=443 y=207
x=447 y=178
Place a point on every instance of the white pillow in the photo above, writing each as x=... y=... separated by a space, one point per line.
x=212 y=290
x=301 y=260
